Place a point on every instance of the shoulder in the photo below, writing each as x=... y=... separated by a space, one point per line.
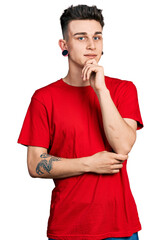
x=119 y=86
x=112 y=82
x=45 y=94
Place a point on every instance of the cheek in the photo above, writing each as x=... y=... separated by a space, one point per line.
x=77 y=51
x=77 y=46
x=100 y=45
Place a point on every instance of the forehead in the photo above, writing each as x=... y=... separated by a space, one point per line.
x=88 y=26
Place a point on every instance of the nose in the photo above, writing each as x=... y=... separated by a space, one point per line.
x=90 y=44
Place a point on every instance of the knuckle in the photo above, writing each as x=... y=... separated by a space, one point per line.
x=112 y=161
x=125 y=157
x=111 y=167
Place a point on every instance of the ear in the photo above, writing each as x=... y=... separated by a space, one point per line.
x=62 y=44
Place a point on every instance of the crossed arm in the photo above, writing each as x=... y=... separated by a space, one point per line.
x=120 y=133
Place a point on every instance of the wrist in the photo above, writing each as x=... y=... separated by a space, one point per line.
x=85 y=164
x=103 y=92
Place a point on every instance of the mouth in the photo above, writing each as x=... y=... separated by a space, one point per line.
x=90 y=55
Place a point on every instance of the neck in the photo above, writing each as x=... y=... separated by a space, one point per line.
x=74 y=75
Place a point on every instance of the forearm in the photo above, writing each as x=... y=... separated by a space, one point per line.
x=118 y=133
x=48 y=166
x=43 y=165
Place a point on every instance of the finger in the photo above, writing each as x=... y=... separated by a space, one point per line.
x=85 y=72
x=121 y=157
x=120 y=161
x=89 y=71
x=116 y=166
x=115 y=171
x=92 y=61
x=84 y=69
x=117 y=161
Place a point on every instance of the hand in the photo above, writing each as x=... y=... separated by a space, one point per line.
x=95 y=74
x=106 y=162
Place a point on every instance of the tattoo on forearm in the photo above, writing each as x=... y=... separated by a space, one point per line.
x=44 y=164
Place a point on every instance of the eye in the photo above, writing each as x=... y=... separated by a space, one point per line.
x=81 y=38
x=97 y=38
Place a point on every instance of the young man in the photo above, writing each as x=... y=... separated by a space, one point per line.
x=79 y=131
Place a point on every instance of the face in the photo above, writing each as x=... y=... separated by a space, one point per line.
x=85 y=41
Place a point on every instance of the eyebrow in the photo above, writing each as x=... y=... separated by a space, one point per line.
x=84 y=33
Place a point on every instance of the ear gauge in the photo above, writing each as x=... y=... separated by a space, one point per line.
x=102 y=52
x=65 y=53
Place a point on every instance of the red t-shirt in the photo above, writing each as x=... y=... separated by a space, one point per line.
x=67 y=120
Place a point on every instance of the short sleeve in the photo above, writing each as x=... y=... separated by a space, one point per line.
x=128 y=104
x=35 y=128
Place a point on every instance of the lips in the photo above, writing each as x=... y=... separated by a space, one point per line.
x=90 y=55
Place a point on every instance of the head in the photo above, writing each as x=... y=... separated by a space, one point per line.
x=82 y=28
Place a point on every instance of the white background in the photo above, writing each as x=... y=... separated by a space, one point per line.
x=30 y=58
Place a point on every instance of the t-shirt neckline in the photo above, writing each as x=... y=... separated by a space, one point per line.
x=74 y=87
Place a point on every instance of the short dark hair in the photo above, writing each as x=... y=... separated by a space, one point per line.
x=80 y=12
